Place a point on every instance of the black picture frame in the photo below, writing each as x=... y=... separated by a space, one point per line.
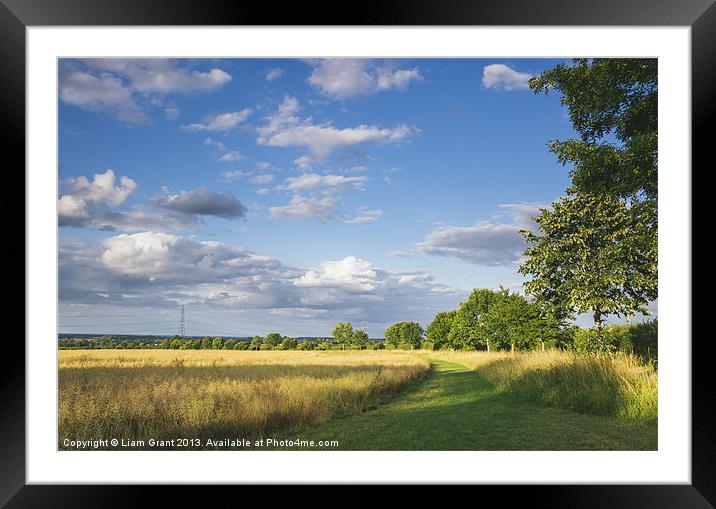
x=700 y=15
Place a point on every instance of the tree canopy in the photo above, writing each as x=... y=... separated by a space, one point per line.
x=592 y=254
x=613 y=105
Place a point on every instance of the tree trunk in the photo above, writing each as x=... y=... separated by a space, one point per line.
x=488 y=346
x=512 y=347
x=597 y=319
x=542 y=346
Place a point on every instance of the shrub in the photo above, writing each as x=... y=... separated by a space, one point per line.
x=644 y=338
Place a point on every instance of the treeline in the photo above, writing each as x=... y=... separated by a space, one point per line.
x=504 y=320
x=345 y=338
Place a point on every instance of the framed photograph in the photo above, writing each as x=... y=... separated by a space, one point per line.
x=437 y=246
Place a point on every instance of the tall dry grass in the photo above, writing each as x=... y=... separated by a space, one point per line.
x=164 y=394
x=608 y=384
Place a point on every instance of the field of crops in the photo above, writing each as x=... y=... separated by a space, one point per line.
x=166 y=394
x=470 y=400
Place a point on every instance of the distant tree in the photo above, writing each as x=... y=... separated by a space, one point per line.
x=466 y=332
x=392 y=335
x=217 y=344
x=306 y=344
x=229 y=344
x=288 y=343
x=439 y=329
x=592 y=254
x=165 y=343
x=241 y=345
x=206 y=343
x=273 y=339
x=256 y=343
x=176 y=344
x=412 y=333
x=343 y=333
x=360 y=339
x=404 y=335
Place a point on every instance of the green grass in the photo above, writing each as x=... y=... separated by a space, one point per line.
x=456 y=409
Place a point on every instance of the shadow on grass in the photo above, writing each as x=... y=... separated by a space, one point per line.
x=455 y=409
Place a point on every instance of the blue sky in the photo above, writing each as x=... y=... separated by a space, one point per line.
x=286 y=195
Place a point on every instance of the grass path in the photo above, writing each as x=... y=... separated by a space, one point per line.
x=455 y=409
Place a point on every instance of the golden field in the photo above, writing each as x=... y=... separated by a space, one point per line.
x=165 y=394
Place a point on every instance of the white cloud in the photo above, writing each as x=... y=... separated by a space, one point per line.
x=328 y=183
x=119 y=86
x=85 y=199
x=399 y=78
x=350 y=273
x=231 y=156
x=235 y=175
x=214 y=143
x=220 y=121
x=274 y=73
x=483 y=243
x=341 y=78
x=163 y=76
x=263 y=191
x=303 y=208
x=159 y=270
x=285 y=129
x=491 y=243
x=502 y=77
x=92 y=204
x=203 y=201
x=104 y=93
x=145 y=253
x=365 y=216
x=262 y=179
x=523 y=212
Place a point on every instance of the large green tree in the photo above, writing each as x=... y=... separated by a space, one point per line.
x=408 y=334
x=465 y=332
x=612 y=105
x=439 y=329
x=592 y=253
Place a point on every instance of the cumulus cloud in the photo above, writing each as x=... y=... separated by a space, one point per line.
x=85 y=199
x=485 y=243
x=342 y=78
x=304 y=208
x=93 y=204
x=327 y=183
x=203 y=201
x=350 y=273
x=163 y=76
x=126 y=88
x=285 y=129
x=160 y=270
x=503 y=77
x=100 y=93
x=220 y=121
